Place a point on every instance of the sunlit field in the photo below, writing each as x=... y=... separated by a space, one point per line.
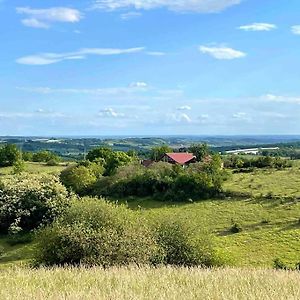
x=147 y=283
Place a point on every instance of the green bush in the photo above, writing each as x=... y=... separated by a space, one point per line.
x=80 y=178
x=183 y=245
x=94 y=232
x=27 y=201
x=164 y=181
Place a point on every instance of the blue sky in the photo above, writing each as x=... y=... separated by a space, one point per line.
x=151 y=67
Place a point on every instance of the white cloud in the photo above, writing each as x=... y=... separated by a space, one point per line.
x=296 y=29
x=281 y=99
x=110 y=113
x=197 y=6
x=178 y=118
x=138 y=84
x=155 y=53
x=258 y=27
x=51 y=58
x=222 y=52
x=130 y=15
x=241 y=116
x=184 y=107
x=43 y=18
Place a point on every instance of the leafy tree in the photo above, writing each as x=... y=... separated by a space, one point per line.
x=99 y=153
x=44 y=156
x=158 y=152
x=199 y=150
x=9 y=154
x=81 y=177
x=27 y=156
x=116 y=160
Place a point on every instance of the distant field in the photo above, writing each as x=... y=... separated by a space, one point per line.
x=36 y=168
x=285 y=183
x=149 y=283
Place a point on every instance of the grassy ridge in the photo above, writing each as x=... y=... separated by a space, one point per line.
x=147 y=283
x=269 y=230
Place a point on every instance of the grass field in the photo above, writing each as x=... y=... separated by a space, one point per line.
x=283 y=183
x=149 y=283
x=270 y=227
x=36 y=168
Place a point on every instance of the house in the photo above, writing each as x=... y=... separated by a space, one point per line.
x=179 y=158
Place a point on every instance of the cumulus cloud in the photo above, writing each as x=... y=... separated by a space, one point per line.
x=282 y=99
x=130 y=15
x=241 y=116
x=110 y=113
x=221 y=52
x=138 y=84
x=258 y=27
x=197 y=6
x=184 y=107
x=43 y=18
x=52 y=58
x=296 y=29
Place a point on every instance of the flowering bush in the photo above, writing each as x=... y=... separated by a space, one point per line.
x=27 y=201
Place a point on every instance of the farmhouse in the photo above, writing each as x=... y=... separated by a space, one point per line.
x=179 y=158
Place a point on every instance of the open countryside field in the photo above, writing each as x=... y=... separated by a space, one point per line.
x=149 y=283
x=36 y=168
x=270 y=228
x=263 y=182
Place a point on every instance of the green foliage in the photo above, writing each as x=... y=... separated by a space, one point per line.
x=27 y=156
x=28 y=201
x=200 y=151
x=94 y=232
x=45 y=156
x=280 y=265
x=158 y=152
x=19 y=167
x=236 y=228
x=80 y=178
x=182 y=245
x=165 y=181
x=243 y=162
x=9 y=155
x=111 y=159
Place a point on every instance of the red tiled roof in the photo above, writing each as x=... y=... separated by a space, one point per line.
x=181 y=158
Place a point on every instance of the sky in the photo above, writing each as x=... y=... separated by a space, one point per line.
x=149 y=67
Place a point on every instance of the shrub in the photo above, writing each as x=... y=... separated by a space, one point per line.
x=80 y=178
x=164 y=181
x=19 y=167
x=236 y=228
x=94 y=232
x=9 y=154
x=45 y=156
x=280 y=265
x=183 y=245
x=27 y=201
x=2 y=251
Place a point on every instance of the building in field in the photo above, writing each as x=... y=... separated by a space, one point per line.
x=179 y=158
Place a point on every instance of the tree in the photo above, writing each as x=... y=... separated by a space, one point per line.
x=81 y=177
x=158 y=152
x=99 y=153
x=200 y=151
x=44 y=156
x=116 y=160
x=9 y=154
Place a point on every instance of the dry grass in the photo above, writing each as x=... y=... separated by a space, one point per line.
x=149 y=283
